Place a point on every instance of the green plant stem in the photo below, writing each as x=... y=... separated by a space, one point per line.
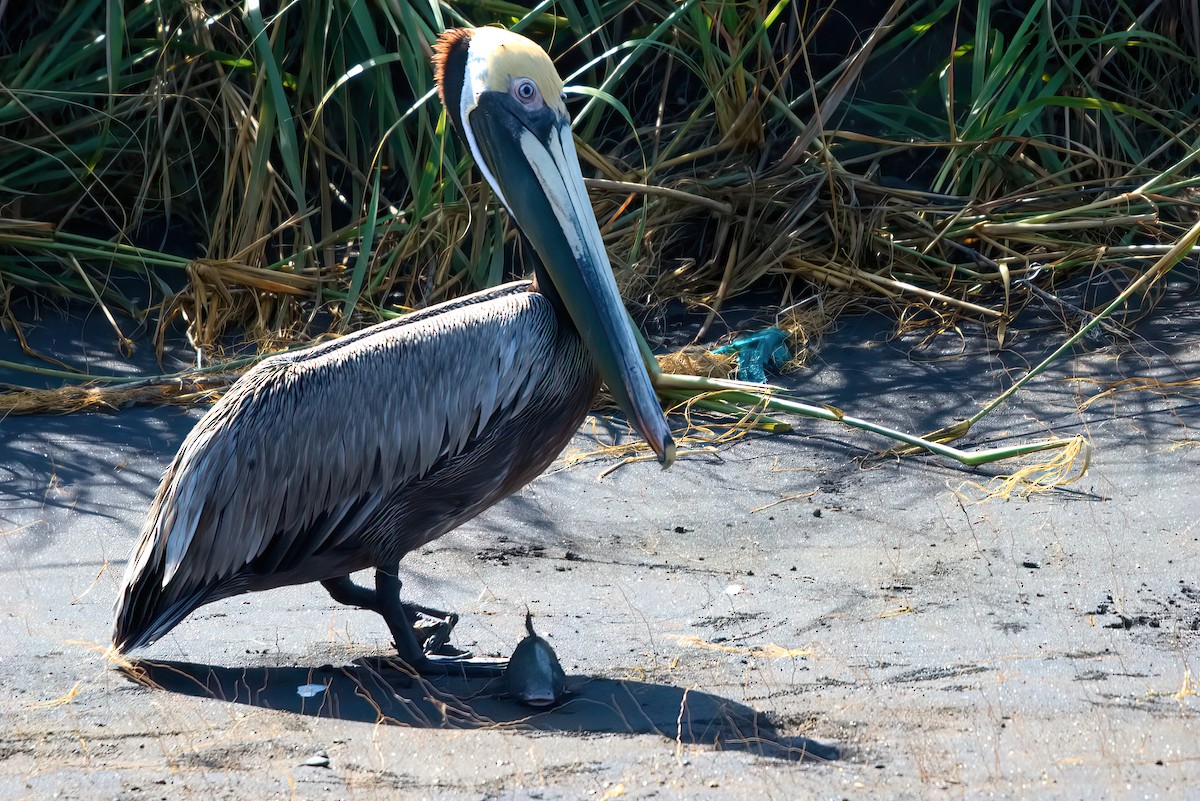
x=124 y=380
x=758 y=420
x=761 y=395
x=1161 y=267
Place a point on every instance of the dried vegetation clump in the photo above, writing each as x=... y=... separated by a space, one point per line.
x=281 y=172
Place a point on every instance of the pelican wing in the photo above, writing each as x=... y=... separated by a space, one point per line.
x=306 y=447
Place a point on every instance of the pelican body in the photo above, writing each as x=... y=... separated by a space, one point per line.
x=348 y=455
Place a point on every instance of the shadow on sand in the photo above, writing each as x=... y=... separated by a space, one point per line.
x=381 y=691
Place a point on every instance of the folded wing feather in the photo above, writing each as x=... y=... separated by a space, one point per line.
x=303 y=440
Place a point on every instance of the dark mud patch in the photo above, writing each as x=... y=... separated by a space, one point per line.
x=1176 y=615
x=936 y=673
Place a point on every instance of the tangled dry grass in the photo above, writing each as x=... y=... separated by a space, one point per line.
x=255 y=167
x=286 y=172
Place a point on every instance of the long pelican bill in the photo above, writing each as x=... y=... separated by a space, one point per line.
x=540 y=180
x=512 y=115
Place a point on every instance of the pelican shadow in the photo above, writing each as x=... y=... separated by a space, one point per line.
x=382 y=691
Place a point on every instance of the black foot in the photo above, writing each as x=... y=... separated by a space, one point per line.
x=419 y=655
x=431 y=627
x=433 y=633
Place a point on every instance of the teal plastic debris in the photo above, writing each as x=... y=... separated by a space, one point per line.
x=758 y=352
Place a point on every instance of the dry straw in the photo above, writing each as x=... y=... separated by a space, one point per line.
x=284 y=176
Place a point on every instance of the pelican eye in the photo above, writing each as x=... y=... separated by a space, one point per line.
x=525 y=90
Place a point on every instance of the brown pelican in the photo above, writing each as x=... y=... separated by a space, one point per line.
x=350 y=454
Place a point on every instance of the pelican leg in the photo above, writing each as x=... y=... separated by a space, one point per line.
x=345 y=591
x=395 y=614
x=432 y=626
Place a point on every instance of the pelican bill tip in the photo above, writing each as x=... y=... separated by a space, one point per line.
x=666 y=456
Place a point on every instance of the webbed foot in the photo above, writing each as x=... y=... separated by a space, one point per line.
x=427 y=654
x=432 y=627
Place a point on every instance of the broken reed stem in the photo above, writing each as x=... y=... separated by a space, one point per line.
x=851 y=274
x=230 y=366
x=1160 y=268
x=756 y=420
x=66 y=375
x=65 y=400
x=1058 y=471
x=626 y=187
x=739 y=392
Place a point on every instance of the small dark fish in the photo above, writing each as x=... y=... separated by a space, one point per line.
x=534 y=676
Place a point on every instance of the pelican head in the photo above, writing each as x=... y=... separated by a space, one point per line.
x=506 y=102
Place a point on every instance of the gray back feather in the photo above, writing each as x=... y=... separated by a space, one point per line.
x=302 y=439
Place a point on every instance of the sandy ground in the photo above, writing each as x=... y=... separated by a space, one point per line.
x=877 y=632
